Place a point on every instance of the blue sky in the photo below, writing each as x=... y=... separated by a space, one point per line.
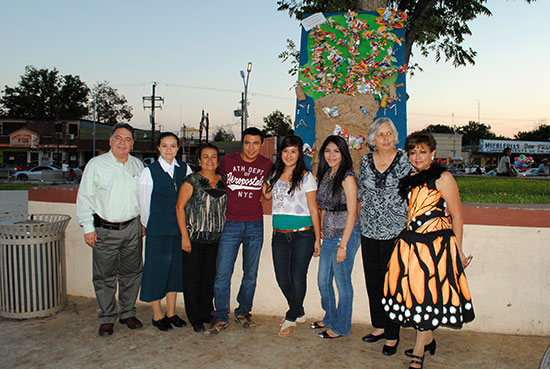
x=194 y=50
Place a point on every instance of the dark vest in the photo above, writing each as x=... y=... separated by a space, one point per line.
x=162 y=215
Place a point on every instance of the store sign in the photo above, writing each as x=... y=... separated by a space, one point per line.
x=23 y=139
x=518 y=147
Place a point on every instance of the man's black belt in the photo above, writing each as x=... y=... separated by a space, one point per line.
x=100 y=222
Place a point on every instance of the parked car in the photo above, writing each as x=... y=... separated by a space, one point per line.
x=35 y=173
x=148 y=161
x=456 y=168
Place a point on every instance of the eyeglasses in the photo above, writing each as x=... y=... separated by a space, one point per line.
x=119 y=138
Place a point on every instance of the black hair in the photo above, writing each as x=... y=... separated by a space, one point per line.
x=253 y=131
x=125 y=126
x=208 y=146
x=278 y=168
x=168 y=134
x=345 y=166
x=506 y=149
x=419 y=138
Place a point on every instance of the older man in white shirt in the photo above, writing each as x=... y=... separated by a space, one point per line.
x=108 y=210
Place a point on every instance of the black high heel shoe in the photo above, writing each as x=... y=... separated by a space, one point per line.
x=429 y=347
x=390 y=350
x=317 y=325
x=418 y=360
x=324 y=334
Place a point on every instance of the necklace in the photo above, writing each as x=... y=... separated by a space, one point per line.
x=384 y=162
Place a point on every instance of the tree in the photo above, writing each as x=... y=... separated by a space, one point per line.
x=474 y=131
x=223 y=135
x=540 y=133
x=44 y=94
x=110 y=107
x=432 y=25
x=440 y=128
x=277 y=124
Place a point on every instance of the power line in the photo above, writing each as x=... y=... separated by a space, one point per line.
x=470 y=117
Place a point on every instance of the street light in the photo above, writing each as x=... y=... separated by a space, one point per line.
x=244 y=100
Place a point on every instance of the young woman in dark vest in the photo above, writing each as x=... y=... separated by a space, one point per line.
x=158 y=194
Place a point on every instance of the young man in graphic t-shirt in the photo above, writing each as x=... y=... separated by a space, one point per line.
x=245 y=174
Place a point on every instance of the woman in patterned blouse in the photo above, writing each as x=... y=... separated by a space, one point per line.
x=201 y=218
x=337 y=199
x=383 y=215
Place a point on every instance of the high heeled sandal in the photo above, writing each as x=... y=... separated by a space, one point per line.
x=430 y=347
x=417 y=360
x=317 y=325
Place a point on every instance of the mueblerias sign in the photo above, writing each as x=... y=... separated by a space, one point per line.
x=520 y=147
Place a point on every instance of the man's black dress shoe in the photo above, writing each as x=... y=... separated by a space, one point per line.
x=106 y=329
x=324 y=334
x=163 y=324
x=373 y=338
x=176 y=321
x=390 y=350
x=198 y=327
x=131 y=322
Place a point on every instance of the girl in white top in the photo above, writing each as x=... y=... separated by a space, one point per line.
x=296 y=226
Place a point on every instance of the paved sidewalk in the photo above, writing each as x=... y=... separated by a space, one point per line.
x=69 y=340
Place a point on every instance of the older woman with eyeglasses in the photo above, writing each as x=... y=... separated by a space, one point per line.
x=383 y=215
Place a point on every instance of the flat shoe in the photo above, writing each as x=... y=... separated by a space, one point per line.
x=198 y=327
x=163 y=324
x=324 y=334
x=299 y=320
x=373 y=338
x=316 y=325
x=286 y=328
x=176 y=321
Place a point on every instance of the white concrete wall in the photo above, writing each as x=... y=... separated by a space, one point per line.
x=509 y=276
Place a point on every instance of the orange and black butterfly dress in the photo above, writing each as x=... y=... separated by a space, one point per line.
x=425 y=285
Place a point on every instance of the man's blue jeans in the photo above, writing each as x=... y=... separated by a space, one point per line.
x=337 y=318
x=251 y=235
x=292 y=253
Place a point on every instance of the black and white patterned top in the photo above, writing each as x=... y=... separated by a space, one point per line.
x=334 y=220
x=383 y=213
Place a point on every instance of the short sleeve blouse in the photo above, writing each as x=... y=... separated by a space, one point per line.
x=383 y=213
x=334 y=220
x=292 y=209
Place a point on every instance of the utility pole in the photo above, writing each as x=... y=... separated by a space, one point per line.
x=242 y=112
x=93 y=132
x=154 y=102
x=207 y=126
x=454 y=135
x=204 y=126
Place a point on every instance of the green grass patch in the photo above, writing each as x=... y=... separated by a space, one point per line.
x=497 y=190
x=22 y=186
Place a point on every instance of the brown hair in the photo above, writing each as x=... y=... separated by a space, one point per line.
x=418 y=138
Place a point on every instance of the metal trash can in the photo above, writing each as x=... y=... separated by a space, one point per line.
x=32 y=265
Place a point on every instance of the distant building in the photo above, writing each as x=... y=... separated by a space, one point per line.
x=41 y=142
x=449 y=147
